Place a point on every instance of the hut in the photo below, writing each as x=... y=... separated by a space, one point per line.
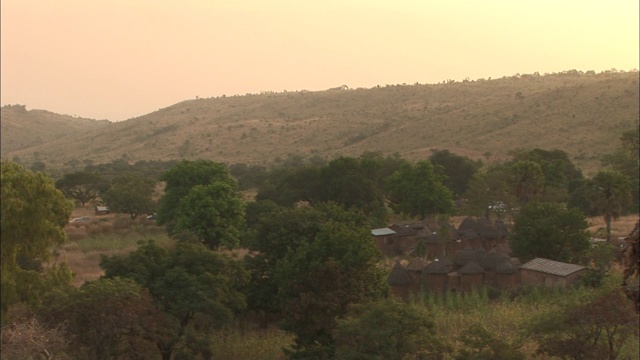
x=489 y=235
x=415 y=267
x=471 y=238
x=405 y=239
x=101 y=210
x=435 y=276
x=385 y=240
x=464 y=256
x=503 y=229
x=506 y=275
x=434 y=246
x=400 y=281
x=467 y=224
x=551 y=273
x=471 y=276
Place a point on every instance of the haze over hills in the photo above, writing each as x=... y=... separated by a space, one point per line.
x=580 y=113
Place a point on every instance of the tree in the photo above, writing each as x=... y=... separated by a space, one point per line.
x=387 y=329
x=108 y=318
x=281 y=231
x=598 y=329
x=528 y=180
x=132 y=195
x=318 y=281
x=490 y=192
x=34 y=214
x=184 y=176
x=214 y=213
x=192 y=285
x=417 y=190
x=477 y=343
x=550 y=231
x=611 y=193
x=82 y=186
x=458 y=169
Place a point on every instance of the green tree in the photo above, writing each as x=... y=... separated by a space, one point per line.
x=214 y=213
x=184 y=176
x=34 y=214
x=490 y=192
x=110 y=318
x=528 y=180
x=598 y=329
x=281 y=231
x=193 y=286
x=611 y=194
x=387 y=329
x=550 y=231
x=417 y=190
x=319 y=280
x=477 y=343
x=458 y=169
x=81 y=186
x=132 y=195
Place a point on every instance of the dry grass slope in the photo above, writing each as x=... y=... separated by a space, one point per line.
x=580 y=113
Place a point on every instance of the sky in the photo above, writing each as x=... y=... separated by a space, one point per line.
x=120 y=59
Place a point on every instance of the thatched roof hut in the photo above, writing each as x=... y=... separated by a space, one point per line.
x=490 y=260
x=489 y=231
x=398 y=275
x=471 y=267
x=464 y=256
x=436 y=267
x=416 y=264
x=467 y=224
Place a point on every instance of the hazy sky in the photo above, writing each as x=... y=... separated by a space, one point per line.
x=117 y=59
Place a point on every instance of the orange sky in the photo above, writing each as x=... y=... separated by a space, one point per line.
x=118 y=59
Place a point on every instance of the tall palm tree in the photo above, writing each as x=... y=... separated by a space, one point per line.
x=612 y=192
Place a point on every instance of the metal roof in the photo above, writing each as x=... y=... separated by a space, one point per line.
x=552 y=267
x=382 y=232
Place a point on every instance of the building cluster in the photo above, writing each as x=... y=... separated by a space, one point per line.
x=474 y=255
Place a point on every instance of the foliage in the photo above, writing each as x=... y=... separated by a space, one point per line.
x=417 y=190
x=549 y=231
x=490 y=192
x=458 y=169
x=595 y=330
x=108 y=318
x=480 y=344
x=214 y=213
x=319 y=280
x=33 y=215
x=132 y=195
x=184 y=176
x=82 y=186
x=557 y=168
x=610 y=195
x=528 y=180
x=196 y=288
x=27 y=338
x=280 y=231
x=387 y=329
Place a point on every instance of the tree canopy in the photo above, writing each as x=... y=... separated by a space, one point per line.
x=34 y=214
x=184 y=176
x=132 y=195
x=417 y=190
x=214 y=213
x=550 y=231
x=82 y=186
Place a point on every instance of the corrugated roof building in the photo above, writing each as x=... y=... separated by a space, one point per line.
x=551 y=273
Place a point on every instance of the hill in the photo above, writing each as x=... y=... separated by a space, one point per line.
x=22 y=129
x=580 y=113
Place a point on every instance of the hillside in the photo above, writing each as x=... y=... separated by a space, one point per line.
x=22 y=129
x=581 y=113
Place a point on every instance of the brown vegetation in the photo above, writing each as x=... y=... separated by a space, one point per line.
x=580 y=113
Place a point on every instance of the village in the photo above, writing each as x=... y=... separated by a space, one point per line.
x=444 y=259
